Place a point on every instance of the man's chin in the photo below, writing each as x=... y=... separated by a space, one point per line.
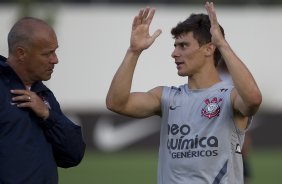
x=181 y=74
x=46 y=78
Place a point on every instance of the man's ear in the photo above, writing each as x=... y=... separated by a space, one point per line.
x=209 y=49
x=20 y=53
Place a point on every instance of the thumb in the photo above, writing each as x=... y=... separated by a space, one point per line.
x=156 y=34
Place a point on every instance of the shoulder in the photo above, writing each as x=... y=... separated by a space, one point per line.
x=2 y=58
x=162 y=91
x=3 y=64
x=171 y=92
x=157 y=91
x=175 y=88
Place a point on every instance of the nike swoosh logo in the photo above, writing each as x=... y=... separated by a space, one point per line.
x=112 y=138
x=173 y=107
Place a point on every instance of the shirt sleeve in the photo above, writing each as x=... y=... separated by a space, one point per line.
x=64 y=136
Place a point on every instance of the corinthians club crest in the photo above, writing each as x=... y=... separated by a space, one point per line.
x=212 y=108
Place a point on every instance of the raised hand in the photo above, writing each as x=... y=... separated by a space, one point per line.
x=140 y=36
x=217 y=36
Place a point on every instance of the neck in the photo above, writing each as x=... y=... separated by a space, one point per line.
x=20 y=72
x=204 y=79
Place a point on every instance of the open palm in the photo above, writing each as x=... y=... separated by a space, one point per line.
x=140 y=37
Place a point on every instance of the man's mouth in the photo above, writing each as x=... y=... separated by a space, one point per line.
x=179 y=64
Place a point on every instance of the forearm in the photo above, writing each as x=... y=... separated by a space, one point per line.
x=119 y=90
x=243 y=80
x=246 y=97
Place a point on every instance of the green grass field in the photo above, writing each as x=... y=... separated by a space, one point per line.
x=141 y=168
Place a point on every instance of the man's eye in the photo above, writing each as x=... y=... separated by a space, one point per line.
x=47 y=54
x=182 y=45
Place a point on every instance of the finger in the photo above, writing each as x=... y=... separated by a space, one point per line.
x=140 y=15
x=135 y=22
x=18 y=91
x=156 y=34
x=211 y=12
x=24 y=104
x=22 y=93
x=207 y=6
x=151 y=16
x=138 y=18
x=145 y=14
x=140 y=12
x=22 y=98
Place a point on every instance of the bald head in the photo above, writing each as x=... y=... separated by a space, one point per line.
x=23 y=32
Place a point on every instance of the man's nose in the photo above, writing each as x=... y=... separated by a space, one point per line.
x=54 y=59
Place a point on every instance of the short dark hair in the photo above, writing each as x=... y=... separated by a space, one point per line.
x=199 y=25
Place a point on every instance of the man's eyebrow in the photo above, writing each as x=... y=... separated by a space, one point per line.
x=181 y=43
